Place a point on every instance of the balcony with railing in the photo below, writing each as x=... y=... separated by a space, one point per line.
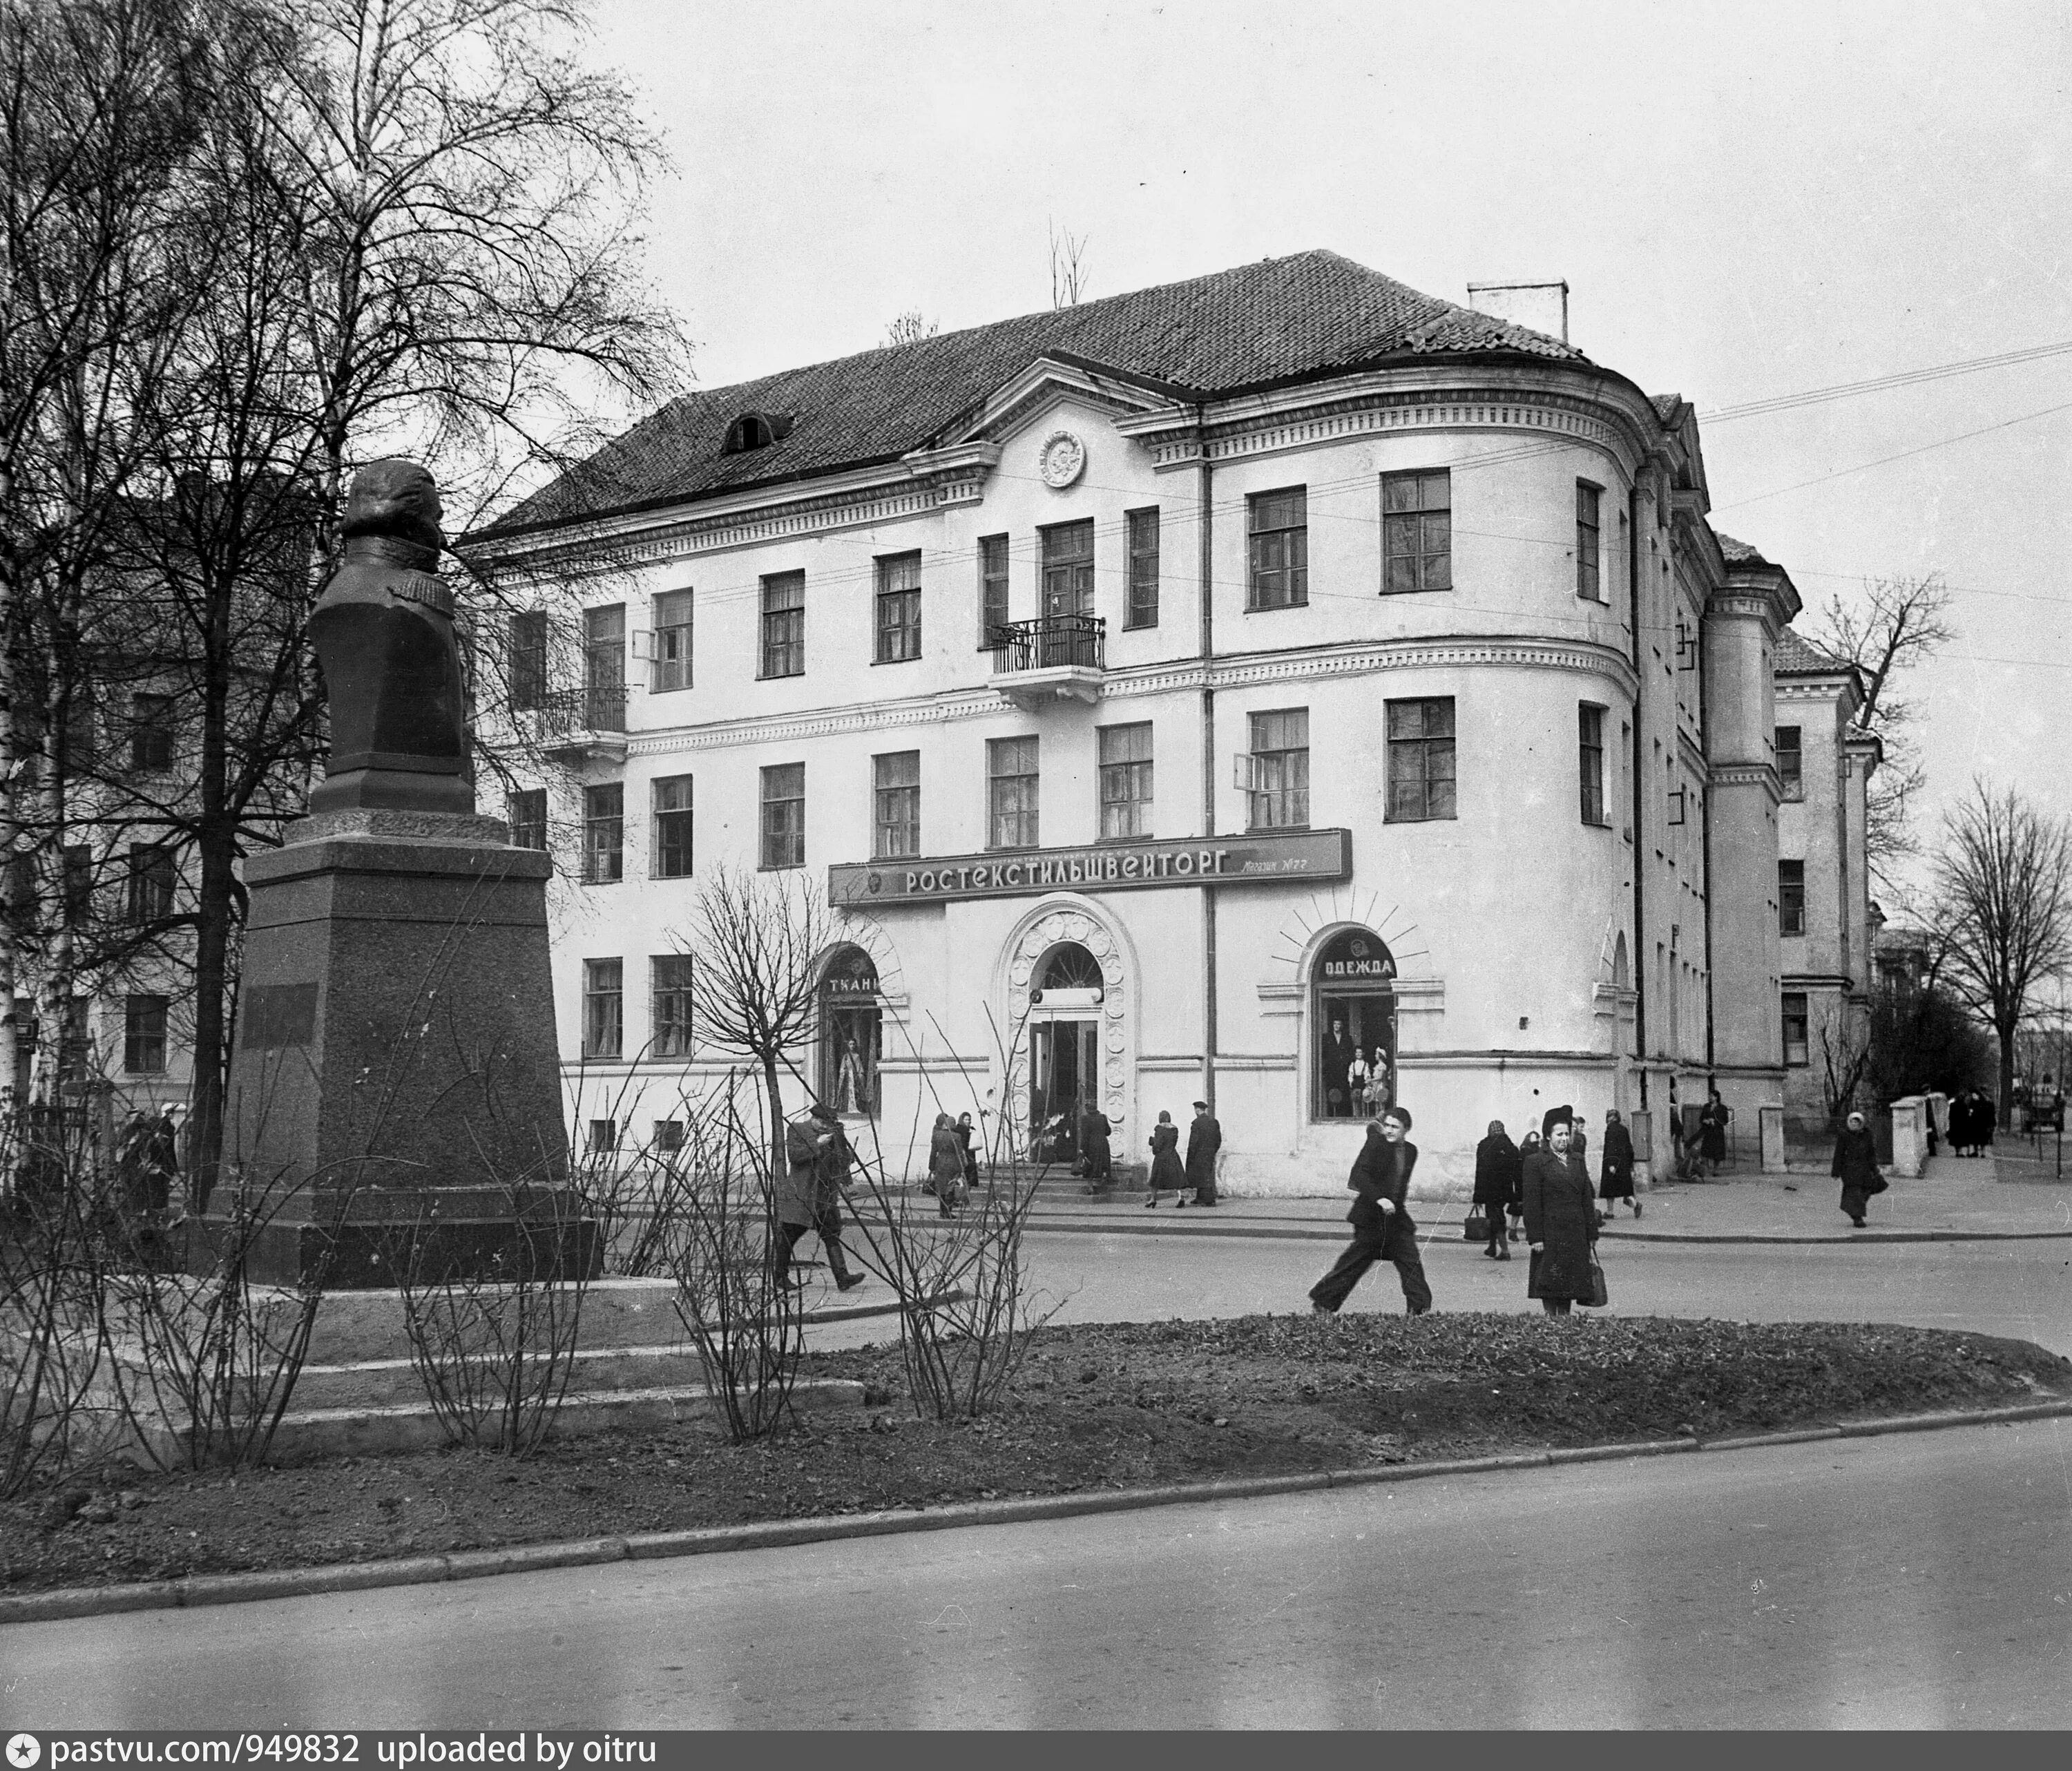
x=581 y=724
x=1053 y=658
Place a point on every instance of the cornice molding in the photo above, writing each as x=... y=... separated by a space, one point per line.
x=1352 y=658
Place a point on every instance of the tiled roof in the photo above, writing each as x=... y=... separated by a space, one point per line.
x=1739 y=552
x=1280 y=320
x=1799 y=657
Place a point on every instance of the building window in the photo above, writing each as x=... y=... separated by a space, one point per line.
x=144 y=1036
x=604 y=1008
x=78 y=864
x=1277 y=771
x=1125 y=780
x=1011 y=782
x=1796 y=1051
x=1790 y=762
x=899 y=608
x=851 y=1031
x=150 y=733
x=669 y=1136
x=1142 y=608
x=1068 y=568
x=896 y=807
x=673 y=643
x=1416 y=532
x=672 y=819
x=603 y=1137
x=1587 y=552
x=604 y=667
x=526 y=813
x=669 y=1004
x=1420 y=760
x=992 y=586
x=604 y=834
x=784 y=624
x=526 y=661
x=784 y=815
x=1590 y=761
x=1279 y=525
x=151 y=895
x=1353 y=1009
x=1791 y=898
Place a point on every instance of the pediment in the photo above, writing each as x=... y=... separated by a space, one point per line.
x=1027 y=398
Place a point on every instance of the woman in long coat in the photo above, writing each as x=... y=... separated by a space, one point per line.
x=1855 y=1165
x=1167 y=1175
x=1095 y=1158
x=1560 y=1223
x=1615 y=1169
x=946 y=1165
x=1496 y=1184
x=1713 y=1132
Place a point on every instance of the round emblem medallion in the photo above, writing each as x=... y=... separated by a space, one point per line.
x=1062 y=459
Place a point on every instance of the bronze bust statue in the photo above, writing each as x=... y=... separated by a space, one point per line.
x=384 y=632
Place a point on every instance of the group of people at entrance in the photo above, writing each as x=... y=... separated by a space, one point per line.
x=1554 y=1202
x=1196 y=1176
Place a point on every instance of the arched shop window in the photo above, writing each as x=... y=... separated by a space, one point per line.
x=1352 y=1007
x=851 y=1032
x=1064 y=1050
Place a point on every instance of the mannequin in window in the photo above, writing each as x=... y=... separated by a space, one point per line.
x=1338 y=1055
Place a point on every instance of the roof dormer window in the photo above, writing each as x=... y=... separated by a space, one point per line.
x=750 y=431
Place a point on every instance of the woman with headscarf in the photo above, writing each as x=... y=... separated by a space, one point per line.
x=1855 y=1165
x=1496 y=1184
x=1615 y=1168
x=1527 y=1145
x=946 y=1165
x=1167 y=1175
x=1713 y=1132
x=1561 y=1222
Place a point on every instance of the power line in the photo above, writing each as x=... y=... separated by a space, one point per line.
x=1904 y=378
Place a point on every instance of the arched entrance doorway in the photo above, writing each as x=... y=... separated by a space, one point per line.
x=851 y=1032
x=1064 y=1038
x=1352 y=1003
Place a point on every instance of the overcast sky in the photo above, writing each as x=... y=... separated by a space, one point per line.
x=1747 y=200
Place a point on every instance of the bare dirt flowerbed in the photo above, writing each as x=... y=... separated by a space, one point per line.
x=1107 y=1406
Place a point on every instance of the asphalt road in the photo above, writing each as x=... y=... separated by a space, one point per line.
x=2022 y=1289
x=1921 y=1581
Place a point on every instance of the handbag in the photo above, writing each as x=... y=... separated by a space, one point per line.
x=1477 y=1228
x=1600 y=1293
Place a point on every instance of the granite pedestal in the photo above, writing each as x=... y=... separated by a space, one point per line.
x=396 y=1081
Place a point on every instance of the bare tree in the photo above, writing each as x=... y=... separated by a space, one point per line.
x=2004 y=887
x=1068 y=274
x=910 y=328
x=757 y=941
x=1892 y=625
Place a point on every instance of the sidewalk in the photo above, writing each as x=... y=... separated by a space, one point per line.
x=1955 y=1200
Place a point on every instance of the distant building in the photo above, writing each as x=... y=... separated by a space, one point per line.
x=1195 y=693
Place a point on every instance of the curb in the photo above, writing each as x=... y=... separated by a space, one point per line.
x=1297 y=1230
x=222 y=1589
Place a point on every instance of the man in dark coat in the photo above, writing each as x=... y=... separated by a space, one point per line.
x=1097 y=1161
x=1560 y=1221
x=816 y=1158
x=1615 y=1173
x=1380 y=1218
x=1855 y=1165
x=1496 y=1184
x=1205 y=1137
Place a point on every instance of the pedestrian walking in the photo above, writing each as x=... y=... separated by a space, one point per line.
x=1496 y=1164
x=946 y=1165
x=1712 y=1133
x=1527 y=1145
x=1166 y=1174
x=1097 y=1161
x=1380 y=1218
x=1855 y=1166
x=967 y=1148
x=816 y=1159
x=1988 y=1112
x=1560 y=1221
x=1205 y=1137
x=1615 y=1166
